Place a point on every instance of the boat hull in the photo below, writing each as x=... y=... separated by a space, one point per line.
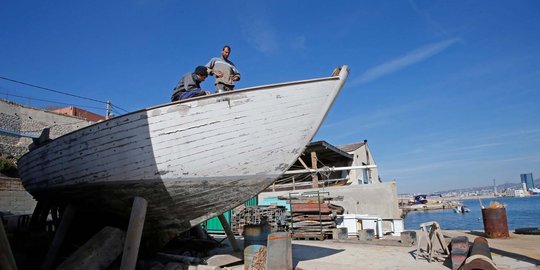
x=191 y=160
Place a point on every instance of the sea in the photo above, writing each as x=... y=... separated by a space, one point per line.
x=520 y=213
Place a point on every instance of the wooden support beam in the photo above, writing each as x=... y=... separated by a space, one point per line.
x=97 y=253
x=7 y=261
x=303 y=163
x=39 y=216
x=229 y=232
x=59 y=237
x=134 y=234
x=314 y=176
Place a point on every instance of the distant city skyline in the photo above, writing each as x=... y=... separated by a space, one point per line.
x=528 y=180
x=446 y=93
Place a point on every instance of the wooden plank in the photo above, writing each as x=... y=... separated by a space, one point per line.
x=7 y=261
x=134 y=234
x=108 y=241
x=314 y=176
x=228 y=231
x=303 y=163
x=59 y=237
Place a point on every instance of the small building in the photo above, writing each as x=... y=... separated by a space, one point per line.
x=361 y=156
x=324 y=156
x=364 y=195
x=78 y=112
x=516 y=193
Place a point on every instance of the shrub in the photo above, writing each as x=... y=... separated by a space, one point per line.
x=8 y=167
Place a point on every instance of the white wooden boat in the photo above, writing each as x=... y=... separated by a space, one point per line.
x=191 y=159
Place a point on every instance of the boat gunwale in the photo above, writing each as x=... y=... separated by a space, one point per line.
x=249 y=89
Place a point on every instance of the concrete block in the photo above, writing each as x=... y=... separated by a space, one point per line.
x=366 y=234
x=207 y=267
x=279 y=254
x=408 y=237
x=339 y=234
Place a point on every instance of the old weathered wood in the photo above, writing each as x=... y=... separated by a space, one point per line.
x=39 y=216
x=98 y=252
x=59 y=237
x=224 y=259
x=192 y=158
x=134 y=234
x=7 y=261
x=314 y=176
x=303 y=163
x=229 y=232
x=181 y=258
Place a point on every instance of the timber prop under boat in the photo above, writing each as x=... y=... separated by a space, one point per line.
x=190 y=159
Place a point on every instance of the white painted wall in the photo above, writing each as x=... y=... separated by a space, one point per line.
x=361 y=158
x=378 y=199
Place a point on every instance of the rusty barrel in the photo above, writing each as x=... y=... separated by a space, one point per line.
x=495 y=223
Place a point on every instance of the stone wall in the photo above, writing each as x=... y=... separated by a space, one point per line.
x=14 y=117
x=19 y=118
x=13 y=197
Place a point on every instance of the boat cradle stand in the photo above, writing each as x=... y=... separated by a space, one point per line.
x=428 y=232
x=132 y=240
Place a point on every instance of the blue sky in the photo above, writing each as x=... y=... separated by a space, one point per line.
x=447 y=93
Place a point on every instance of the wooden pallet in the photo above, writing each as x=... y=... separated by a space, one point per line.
x=303 y=236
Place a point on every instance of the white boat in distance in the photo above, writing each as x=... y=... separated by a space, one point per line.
x=190 y=159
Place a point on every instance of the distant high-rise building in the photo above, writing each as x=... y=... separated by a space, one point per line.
x=527 y=179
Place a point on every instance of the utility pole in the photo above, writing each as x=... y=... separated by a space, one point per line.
x=108 y=115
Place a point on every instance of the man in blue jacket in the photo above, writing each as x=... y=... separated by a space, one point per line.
x=190 y=85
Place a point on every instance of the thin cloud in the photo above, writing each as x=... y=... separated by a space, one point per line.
x=434 y=25
x=402 y=62
x=259 y=33
x=299 y=42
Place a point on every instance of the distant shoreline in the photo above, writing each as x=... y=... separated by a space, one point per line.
x=469 y=198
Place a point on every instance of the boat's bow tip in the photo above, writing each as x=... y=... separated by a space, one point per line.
x=338 y=70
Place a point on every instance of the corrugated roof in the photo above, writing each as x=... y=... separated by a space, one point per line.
x=351 y=147
x=322 y=147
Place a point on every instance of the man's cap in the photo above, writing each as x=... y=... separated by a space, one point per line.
x=201 y=71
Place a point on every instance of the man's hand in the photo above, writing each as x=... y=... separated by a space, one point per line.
x=236 y=78
x=218 y=74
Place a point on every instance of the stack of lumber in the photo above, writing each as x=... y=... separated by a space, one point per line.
x=313 y=217
x=274 y=215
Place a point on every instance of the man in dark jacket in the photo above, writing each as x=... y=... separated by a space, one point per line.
x=190 y=85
